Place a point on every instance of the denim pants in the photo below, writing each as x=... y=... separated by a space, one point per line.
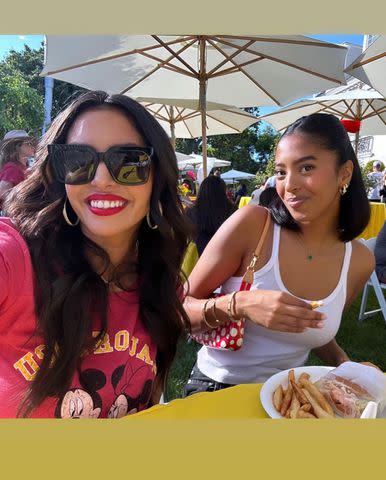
x=199 y=382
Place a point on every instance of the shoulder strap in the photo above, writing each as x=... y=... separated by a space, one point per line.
x=248 y=275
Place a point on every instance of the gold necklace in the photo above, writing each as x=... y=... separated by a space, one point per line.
x=309 y=256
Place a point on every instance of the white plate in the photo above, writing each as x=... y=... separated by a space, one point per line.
x=273 y=382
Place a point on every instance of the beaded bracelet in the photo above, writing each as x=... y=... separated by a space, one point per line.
x=230 y=305
x=204 y=315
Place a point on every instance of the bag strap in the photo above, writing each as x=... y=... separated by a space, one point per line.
x=248 y=275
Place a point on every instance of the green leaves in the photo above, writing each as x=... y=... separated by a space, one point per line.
x=22 y=92
x=21 y=106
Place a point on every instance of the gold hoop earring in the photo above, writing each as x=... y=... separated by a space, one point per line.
x=343 y=189
x=66 y=218
x=155 y=226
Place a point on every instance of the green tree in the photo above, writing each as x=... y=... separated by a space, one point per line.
x=28 y=63
x=21 y=106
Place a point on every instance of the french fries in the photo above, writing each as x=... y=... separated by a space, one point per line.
x=316 y=304
x=301 y=399
x=278 y=395
x=319 y=397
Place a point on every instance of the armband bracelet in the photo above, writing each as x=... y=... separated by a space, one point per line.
x=204 y=315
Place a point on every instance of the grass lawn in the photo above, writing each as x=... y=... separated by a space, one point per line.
x=363 y=341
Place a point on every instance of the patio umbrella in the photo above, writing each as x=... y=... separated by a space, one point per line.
x=237 y=175
x=237 y=70
x=370 y=66
x=182 y=118
x=354 y=102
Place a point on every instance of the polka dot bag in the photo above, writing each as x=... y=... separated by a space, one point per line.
x=230 y=336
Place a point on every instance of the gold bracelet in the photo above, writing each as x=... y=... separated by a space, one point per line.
x=215 y=313
x=233 y=306
x=229 y=309
x=204 y=315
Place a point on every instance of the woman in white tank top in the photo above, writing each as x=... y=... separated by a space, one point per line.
x=308 y=254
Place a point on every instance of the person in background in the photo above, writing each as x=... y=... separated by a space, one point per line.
x=376 y=176
x=90 y=258
x=382 y=190
x=309 y=254
x=240 y=192
x=16 y=150
x=268 y=195
x=380 y=254
x=189 y=180
x=217 y=173
x=230 y=194
x=211 y=210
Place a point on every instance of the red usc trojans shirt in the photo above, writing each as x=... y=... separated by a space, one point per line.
x=115 y=380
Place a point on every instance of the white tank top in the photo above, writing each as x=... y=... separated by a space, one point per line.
x=266 y=352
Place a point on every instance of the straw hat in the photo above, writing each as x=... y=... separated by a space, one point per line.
x=15 y=134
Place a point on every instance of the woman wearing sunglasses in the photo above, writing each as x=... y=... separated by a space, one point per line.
x=15 y=151
x=90 y=261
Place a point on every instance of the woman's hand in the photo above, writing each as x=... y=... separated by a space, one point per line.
x=277 y=311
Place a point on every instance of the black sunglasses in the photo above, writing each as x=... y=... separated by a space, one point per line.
x=77 y=164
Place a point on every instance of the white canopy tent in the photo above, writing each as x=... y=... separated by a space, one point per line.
x=195 y=161
x=236 y=175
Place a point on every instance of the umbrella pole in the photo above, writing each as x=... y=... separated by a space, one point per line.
x=359 y=113
x=356 y=143
x=202 y=105
x=172 y=129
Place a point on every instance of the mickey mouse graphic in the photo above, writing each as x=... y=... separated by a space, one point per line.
x=86 y=402
x=123 y=379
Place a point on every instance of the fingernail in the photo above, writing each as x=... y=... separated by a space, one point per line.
x=320 y=324
x=323 y=316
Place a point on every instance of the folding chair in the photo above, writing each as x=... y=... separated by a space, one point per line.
x=377 y=286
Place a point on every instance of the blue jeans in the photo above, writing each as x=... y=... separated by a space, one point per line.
x=199 y=382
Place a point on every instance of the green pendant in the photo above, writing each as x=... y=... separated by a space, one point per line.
x=309 y=257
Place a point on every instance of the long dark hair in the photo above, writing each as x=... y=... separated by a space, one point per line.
x=211 y=210
x=68 y=292
x=329 y=133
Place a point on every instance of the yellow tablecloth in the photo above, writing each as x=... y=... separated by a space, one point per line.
x=244 y=201
x=377 y=219
x=190 y=259
x=234 y=403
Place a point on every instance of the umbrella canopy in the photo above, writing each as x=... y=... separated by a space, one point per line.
x=241 y=71
x=237 y=175
x=182 y=118
x=370 y=66
x=356 y=101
